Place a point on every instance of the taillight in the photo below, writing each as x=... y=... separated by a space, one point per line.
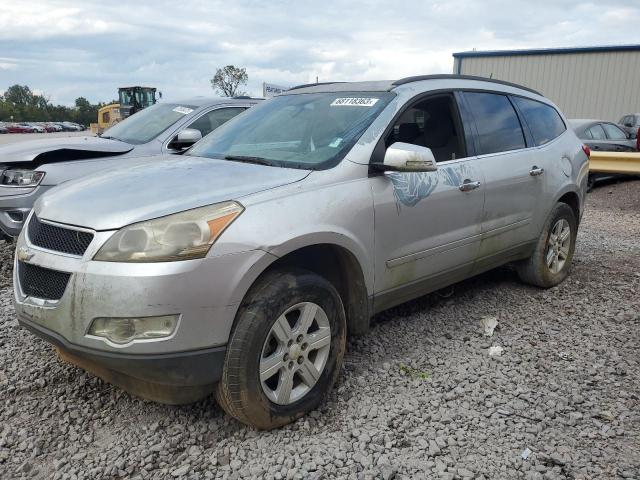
x=587 y=151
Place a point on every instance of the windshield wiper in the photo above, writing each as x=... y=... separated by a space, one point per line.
x=248 y=159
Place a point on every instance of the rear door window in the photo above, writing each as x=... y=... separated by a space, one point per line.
x=543 y=120
x=613 y=132
x=597 y=133
x=497 y=123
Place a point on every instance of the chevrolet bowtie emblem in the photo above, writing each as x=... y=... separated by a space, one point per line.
x=24 y=254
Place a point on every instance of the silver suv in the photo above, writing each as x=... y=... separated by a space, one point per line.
x=241 y=268
x=28 y=169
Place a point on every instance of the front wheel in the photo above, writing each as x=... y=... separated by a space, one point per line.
x=551 y=260
x=285 y=350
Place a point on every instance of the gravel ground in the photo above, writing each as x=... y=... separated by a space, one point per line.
x=419 y=396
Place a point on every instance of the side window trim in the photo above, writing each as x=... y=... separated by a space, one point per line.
x=468 y=124
x=526 y=129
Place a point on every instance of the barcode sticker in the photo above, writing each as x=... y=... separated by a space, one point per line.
x=354 y=102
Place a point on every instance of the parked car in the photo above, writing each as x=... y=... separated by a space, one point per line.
x=603 y=136
x=3 y=129
x=631 y=123
x=36 y=128
x=69 y=127
x=19 y=128
x=241 y=268
x=50 y=127
x=31 y=168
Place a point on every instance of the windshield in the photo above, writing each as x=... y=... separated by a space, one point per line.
x=147 y=124
x=308 y=131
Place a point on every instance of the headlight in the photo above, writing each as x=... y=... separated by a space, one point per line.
x=182 y=236
x=21 y=178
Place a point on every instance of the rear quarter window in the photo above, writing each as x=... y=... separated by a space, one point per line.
x=543 y=120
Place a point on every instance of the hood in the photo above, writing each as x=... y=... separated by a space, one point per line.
x=59 y=149
x=160 y=186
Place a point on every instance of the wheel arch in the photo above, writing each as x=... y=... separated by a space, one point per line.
x=572 y=199
x=337 y=264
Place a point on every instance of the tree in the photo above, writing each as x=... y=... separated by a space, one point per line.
x=85 y=112
x=19 y=95
x=228 y=79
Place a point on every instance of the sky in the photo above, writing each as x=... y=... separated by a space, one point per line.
x=67 y=49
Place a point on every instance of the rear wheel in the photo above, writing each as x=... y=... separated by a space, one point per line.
x=285 y=351
x=551 y=260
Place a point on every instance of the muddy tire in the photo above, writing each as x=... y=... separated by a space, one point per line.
x=285 y=350
x=551 y=260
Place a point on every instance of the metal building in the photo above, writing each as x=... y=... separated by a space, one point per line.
x=585 y=82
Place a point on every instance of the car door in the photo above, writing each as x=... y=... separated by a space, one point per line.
x=209 y=121
x=513 y=173
x=427 y=224
x=598 y=140
x=618 y=138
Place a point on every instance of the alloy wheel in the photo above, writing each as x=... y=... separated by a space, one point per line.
x=295 y=353
x=558 y=246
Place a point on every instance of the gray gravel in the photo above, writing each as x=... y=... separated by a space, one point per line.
x=419 y=396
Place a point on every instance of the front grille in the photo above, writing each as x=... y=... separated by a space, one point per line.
x=58 y=239
x=42 y=282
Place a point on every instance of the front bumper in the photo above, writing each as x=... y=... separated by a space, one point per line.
x=15 y=205
x=182 y=369
x=204 y=293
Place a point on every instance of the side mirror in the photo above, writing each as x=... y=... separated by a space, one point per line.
x=628 y=125
x=406 y=157
x=185 y=139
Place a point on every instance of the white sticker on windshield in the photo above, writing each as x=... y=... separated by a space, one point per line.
x=354 y=102
x=183 y=110
x=336 y=142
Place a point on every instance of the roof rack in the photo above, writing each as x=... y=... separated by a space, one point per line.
x=305 y=85
x=246 y=97
x=446 y=76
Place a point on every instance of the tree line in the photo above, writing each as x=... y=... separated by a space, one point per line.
x=20 y=104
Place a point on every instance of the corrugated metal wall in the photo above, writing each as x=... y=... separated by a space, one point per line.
x=603 y=85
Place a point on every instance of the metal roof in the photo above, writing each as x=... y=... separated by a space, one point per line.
x=546 y=51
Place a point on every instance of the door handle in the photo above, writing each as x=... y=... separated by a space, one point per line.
x=535 y=171
x=468 y=185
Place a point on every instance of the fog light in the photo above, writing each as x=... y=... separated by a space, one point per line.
x=125 y=330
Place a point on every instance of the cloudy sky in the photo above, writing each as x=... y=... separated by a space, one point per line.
x=67 y=49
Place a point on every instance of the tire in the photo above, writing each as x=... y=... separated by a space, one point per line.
x=591 y=182
x=536 y=270
x=260 y=402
